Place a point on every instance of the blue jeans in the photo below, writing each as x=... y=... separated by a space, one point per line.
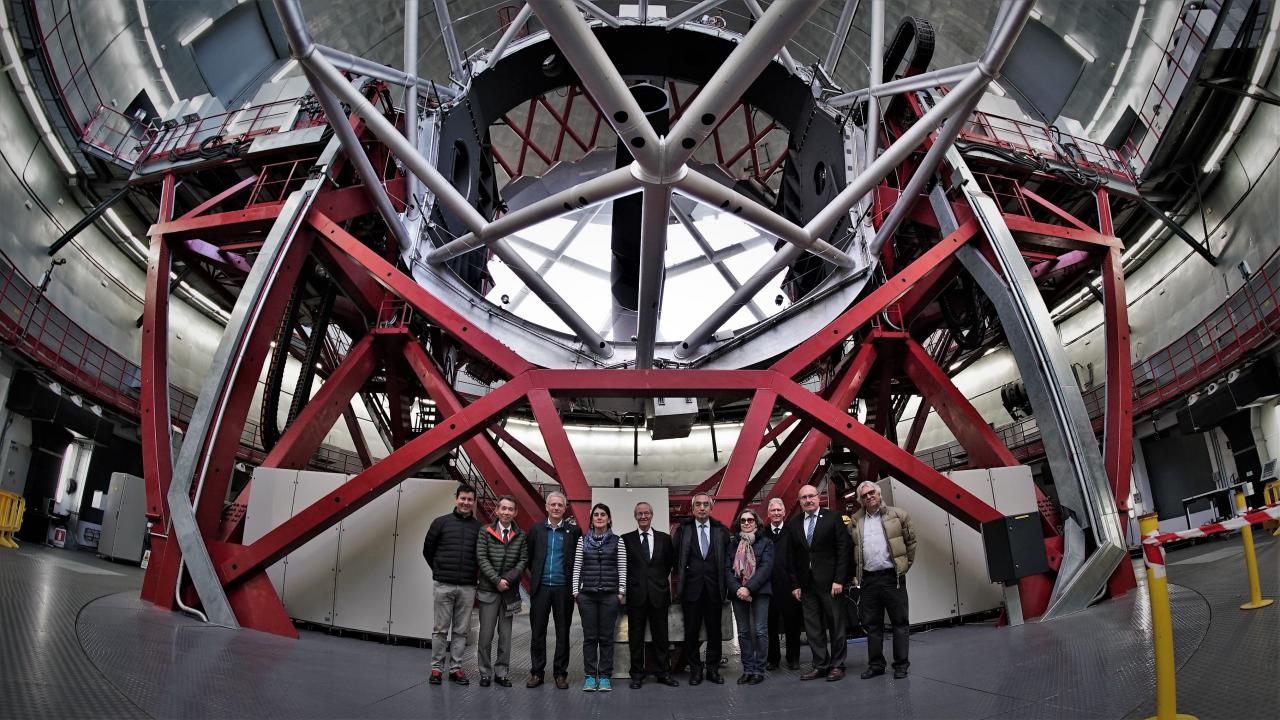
x=753 y=632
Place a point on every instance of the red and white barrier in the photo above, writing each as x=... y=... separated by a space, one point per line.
x=1153 y=545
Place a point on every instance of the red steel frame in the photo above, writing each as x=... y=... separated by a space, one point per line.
x=816 y=419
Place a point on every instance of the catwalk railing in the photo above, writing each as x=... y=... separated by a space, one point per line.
x=1247 y=320
x=48 y=337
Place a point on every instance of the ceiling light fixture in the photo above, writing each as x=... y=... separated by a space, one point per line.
x=196 y=31
x=997 y=88
x=1035 y=14
x=1120 y=66
x=141 y=7
x=1075 y=45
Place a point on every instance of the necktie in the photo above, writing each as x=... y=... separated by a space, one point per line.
x=703 y=541
x=504 y=535
x=644 y=545
x=809 y=522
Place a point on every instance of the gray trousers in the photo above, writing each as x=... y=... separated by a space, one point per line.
x=453 y=621
x=494 y=616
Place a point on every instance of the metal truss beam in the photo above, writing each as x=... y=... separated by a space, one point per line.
x=853 y=319
x=492 y=464
x=155 y=419
x=816 y=443
x=738 y=470
x=976 y=437
x=299 y=442
x=572 y=480
x=402 y=286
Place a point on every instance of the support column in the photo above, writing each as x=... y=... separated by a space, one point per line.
x=154 y=423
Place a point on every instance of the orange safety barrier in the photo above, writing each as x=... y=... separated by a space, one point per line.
x=12 y=507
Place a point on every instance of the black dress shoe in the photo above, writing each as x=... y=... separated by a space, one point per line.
x=871 y=672
x=695 y=678
x=793 y=664
x=772 y=665
x=713 y=676
x=668 y=681
x=899 y=673
x=743 y=680
x=636 y=683
x=484 y=681
x=502 y=682
x=757 y=679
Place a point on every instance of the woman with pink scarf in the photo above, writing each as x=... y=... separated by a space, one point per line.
x=750 y=565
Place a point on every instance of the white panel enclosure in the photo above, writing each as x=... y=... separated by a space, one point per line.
x=309 y=580
x=366 y=573
x=421 y=501
x=931 y=583
x=973 y=584
x=949 y=577
x=270 y=502
x=366 y=548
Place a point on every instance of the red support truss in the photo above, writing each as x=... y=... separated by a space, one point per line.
x=409 y=361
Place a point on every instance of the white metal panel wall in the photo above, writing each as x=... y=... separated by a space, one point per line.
x=931 y=583
x=949 y=577
x=973 y=584
x=420 y=502
x=366 y=573
x=367 y=544
x=309 y=583
x=270 y=503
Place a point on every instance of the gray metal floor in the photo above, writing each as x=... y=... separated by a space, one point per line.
x=78 y=643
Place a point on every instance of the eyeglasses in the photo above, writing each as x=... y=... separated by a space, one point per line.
x=867 y=495
x=746 y=520
x=809 y=496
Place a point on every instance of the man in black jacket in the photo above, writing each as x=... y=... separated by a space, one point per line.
x=701 y=544
x=784 y=609
x=650 y=558
x=551 y=547
x=450 y=550
x=819 y=570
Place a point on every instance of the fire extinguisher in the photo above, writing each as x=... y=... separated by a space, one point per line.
x=59 y=537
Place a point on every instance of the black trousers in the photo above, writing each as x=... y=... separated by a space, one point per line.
x=702 y=612
x=885 y=591
x=824 y=624
x=557 y=603
x=638 y=617
x=784 y=619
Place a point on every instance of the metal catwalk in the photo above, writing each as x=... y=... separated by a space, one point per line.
x=79 y=643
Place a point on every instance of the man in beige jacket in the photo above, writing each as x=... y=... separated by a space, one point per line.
x=884 y=546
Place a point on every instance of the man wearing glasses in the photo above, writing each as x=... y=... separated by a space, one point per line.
x=701 y=544
x=819 y=570
x=884 y=546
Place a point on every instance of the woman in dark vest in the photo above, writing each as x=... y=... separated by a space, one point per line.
x=600 y=586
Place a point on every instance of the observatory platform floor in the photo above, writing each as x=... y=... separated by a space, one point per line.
x=77 y=642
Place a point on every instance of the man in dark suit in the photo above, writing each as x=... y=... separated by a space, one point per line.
x=701 y=545
x=650 y=559
x=819 y=570
x=784 y=609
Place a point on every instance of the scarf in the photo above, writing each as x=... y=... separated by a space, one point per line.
x=744 y=558
x=596 y=542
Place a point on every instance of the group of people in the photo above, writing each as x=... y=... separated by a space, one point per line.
x=777 y=575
